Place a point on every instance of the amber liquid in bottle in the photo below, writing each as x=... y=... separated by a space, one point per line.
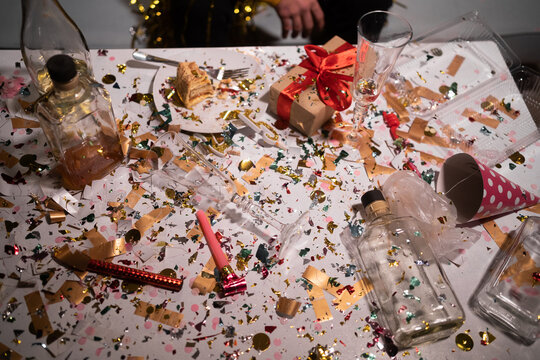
x=77 y=119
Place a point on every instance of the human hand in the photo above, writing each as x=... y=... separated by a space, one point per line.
x=299 y=16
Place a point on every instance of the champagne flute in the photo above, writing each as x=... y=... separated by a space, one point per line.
x=173 y=165
x=381 y=38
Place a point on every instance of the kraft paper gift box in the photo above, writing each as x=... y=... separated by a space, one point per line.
x=308 y=112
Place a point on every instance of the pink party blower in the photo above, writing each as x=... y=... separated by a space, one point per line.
x=231 y=283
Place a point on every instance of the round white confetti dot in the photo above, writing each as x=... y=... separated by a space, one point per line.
x=500 y=188
x=486 y=213
x=499 y=205
x=509 y=194
x=492 y=199
x=480 y=209
x=513 y=185
x=492 y=173
x=485 y=193
x=481 y=166
x=517 y=201
x=490 y=182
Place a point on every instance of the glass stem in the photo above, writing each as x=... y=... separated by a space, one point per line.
x=247 y=205
x=360 y=112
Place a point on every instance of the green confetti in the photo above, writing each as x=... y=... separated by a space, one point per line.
x=304 y=251
x=409 y=317
x=414 y=283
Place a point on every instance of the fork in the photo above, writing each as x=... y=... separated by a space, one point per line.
x=216 y=73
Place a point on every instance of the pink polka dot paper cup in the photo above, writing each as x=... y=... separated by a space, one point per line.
x=479 y=192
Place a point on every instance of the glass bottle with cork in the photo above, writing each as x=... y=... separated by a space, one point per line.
x=47 y=30
x=415 y=300
x=79 y=124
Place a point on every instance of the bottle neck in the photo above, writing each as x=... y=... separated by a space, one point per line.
x=377 y=209
x=71 y=89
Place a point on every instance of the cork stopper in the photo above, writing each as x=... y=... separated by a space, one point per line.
x=375 y=204
x=63 y=72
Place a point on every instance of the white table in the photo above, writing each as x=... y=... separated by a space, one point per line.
x=108 y=327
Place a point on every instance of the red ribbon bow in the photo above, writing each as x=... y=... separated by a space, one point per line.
x=333 y=88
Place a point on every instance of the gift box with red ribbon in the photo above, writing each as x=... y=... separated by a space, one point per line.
x=307 y=96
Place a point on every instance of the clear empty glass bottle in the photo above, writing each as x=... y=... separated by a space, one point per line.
x=47 y=30
x=417 y=304
x=79 y=124
x=509 y=294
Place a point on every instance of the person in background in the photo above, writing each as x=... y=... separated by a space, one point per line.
x=200 y=23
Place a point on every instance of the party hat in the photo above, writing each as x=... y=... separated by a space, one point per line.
x=479 y=192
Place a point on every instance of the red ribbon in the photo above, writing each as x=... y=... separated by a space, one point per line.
x=333 y=88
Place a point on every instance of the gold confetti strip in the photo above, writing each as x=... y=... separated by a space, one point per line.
x=482 y=119
x=373 y=169
x=426 y=157
x=397 y=106
x=316 y=296
x=429 y=94
x=321 y=280
x=54 y=217
x=5 y=204
x=416 y=131
x=76 y=260
x=148 y=220
x=73 y=291
x=20 y=123
x=161 y=315
x=496 y=233
x=287 y=308
x=455 y=65
x=134 y=196
x=346 y=300
x=145 y=136
x=254 y=173
x=501 y=107
x=240 y=188
x=38 y=314
x=329 y=162
x=95 y=237
x=8 y=159
x=535 y=209
x=185 y=164
x=107 y=250
x=136 y=358
x=7 y=353
x=322 y=310
x=205 y=284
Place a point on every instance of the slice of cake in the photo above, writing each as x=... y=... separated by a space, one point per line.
x=192 y=84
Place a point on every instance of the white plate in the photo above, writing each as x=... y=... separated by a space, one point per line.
x=205 y=116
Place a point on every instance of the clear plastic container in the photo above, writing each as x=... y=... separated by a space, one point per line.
x=509 y=293
x=426 y=61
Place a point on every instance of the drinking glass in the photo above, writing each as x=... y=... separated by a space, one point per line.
x=381 y=38
x=175 y=166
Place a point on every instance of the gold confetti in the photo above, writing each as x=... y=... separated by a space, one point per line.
x=464 y=342
x=168 y=272
x=487 y=106
x=487 y=337
x=420 y=76
x=229 y=114
x=517 y=157
x=245 y=165
x=108 y=79
x=261 y=342
x=318 y=195
x=121 y=68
